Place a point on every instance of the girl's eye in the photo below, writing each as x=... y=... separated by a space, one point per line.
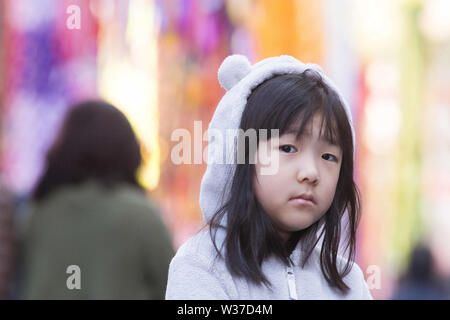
x=288 y=148
x=328 y=156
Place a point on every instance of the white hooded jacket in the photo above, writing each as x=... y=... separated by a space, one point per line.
x=196 y=272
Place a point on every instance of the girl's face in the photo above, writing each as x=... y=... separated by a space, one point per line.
x=308 y=168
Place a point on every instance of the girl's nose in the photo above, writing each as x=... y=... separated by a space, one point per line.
x=307 y=171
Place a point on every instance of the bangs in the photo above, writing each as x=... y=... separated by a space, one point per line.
x=328 y=132
x=298 y=99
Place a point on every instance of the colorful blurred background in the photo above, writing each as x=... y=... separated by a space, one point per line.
x=157 y=61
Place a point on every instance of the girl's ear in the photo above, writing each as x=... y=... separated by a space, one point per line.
x=232 y=70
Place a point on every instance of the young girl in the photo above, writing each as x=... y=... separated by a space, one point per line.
x=276 y=236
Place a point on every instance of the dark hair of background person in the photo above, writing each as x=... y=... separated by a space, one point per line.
x=97 y=142
x=278 y=103
x=421 y=266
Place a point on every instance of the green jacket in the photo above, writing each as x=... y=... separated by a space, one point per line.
x=89 y=242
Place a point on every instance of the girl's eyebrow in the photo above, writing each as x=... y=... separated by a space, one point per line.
x=322 y=138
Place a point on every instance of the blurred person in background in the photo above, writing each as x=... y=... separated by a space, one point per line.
x=92 y=232
x=420 y=281
x=7 y=242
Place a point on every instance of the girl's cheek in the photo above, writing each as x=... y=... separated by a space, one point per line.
x=266 y=158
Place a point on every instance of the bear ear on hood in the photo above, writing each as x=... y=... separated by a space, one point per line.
x=232 y=70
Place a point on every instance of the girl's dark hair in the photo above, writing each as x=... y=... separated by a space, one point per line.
x=96 y=142
x=251 y=236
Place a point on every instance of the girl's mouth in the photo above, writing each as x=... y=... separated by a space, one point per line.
x=302 y=201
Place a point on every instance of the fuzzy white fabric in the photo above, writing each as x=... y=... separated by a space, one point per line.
x=239 y=78
x=196 y=274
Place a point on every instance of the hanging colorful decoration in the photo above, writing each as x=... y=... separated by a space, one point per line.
x=45 y=68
